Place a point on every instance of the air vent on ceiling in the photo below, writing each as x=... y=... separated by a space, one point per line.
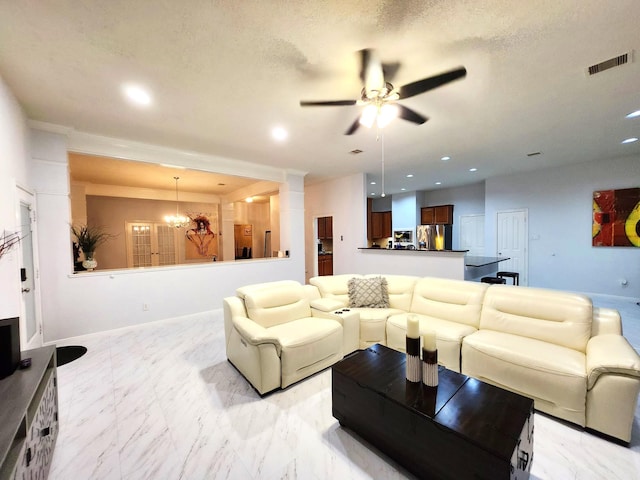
x=355 y=151
x=612 y=62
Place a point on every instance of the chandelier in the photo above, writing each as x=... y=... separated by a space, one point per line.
x=177 y=220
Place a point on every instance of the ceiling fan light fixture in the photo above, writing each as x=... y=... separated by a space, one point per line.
x=368 y=116
x=387 y=113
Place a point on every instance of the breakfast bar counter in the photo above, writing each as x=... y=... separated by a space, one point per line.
x=422 y=263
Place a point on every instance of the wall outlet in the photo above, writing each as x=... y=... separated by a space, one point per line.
x=145 y=307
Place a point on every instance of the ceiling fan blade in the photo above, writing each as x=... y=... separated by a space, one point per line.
x=371 y=72
x=389 y=70
x=410 y=115
x=330 y=103
x=430 y=83
x=354 y=126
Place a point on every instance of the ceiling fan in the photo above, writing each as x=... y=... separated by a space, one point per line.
x=379 y=97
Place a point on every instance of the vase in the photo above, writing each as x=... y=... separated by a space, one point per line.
x=90 y=262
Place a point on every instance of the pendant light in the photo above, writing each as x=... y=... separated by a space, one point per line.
x=177 y=220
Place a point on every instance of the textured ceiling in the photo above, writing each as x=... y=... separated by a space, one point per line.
x=223 y=73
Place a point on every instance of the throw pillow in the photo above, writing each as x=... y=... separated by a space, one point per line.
x=368 y=292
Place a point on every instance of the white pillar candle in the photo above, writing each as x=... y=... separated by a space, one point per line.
x=429 y=340
x=413 y=327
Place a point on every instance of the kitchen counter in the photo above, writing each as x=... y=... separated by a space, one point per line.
x=411 y=250
x=473 y=261
x=478 y=267
x=421 y=263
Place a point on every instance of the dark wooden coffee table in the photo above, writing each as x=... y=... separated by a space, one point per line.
x=464 y=428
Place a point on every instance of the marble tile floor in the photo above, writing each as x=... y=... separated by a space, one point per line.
x=160 y=401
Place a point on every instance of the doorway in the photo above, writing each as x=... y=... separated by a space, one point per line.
x=30 y=323
x=512 y=241
x=243 y=241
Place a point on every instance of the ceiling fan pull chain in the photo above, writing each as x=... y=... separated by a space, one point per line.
x=382 y=147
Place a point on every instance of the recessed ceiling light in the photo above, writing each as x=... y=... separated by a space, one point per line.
x=444 y=159
x=633 y=114
x=403 y=189
x=438 y=183
x=630 y=140
x=373 y=183
x=137 y=95
x=410 y=175
x=279 y=134
x=473 y=169
x=373 y=194
x=249 y=199
x=168 y=165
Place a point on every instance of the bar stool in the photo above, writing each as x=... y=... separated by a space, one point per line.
x=515 y=276
x=493 y=280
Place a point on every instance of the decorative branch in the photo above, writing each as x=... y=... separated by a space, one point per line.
x=8 y=241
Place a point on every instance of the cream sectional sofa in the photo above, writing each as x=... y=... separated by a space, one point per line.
x=551 y=346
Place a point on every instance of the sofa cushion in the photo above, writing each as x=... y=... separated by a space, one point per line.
x=552 y=316
x=449 y=336
x=334 y=286
x=553 y=375
x=273 y=306
x=368 y=292
x=373 y=322
x=307 y=345
x=453 y=300
x=400 y=290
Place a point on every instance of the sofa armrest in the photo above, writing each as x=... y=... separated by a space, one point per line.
x=350 y=321
x=326 y=304
x=255 y=334
x=606 y=320
x=610 y=354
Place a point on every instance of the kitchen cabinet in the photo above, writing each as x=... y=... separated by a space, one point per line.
x=437 y=215
x=325 y=264
x=380 y=225
x=325 y=228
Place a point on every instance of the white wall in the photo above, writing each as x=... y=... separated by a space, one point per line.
x=89 y=302
x=559 y=201
x=345 y=200
x=14 y=154
x=405 y=212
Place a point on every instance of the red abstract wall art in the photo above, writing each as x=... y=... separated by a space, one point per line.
x=616 y=218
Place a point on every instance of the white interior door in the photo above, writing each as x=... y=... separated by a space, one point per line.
x=512 y=242
x=30 y=323
x=472 y=234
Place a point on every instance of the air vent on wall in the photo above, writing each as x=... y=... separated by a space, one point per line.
x=612 y=62
x=355 y=151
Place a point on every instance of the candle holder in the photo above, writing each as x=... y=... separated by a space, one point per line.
x=430 y=367
x=414 y=373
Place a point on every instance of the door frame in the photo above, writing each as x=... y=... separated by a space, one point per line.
x=25 y=196
x=524 y=275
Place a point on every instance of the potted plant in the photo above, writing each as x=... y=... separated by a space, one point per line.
x=89 y=239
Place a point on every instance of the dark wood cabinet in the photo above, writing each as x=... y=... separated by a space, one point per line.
x=29 y=417
x=437 y=215
x=325 y=228
x=325 y=264
x=380 y=225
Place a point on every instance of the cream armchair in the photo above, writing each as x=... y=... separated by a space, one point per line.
x=273 y=338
